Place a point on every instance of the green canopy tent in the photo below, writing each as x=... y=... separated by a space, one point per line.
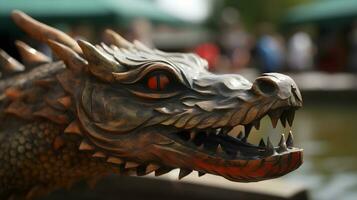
x=97 y=12
x=323 y=12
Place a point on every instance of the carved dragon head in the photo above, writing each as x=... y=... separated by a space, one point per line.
x=148 y=110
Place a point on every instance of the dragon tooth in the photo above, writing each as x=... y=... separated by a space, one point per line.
x=162 y=170
x=290 y=117
x=151 y=167
x=115 y=160
x=201 y=173
x=184 y=172
x=274 y=120
x=219 y=149
x=275 y=115
x=270 y=146
x=130 y=164
x=85 y=146
x=262 y=143
x=282 y=144
x=247 y=129
x=290 y=140
x=283 y=119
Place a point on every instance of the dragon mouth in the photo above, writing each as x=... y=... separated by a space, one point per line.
x=227 y=152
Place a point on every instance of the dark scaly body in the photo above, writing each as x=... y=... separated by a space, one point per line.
x=28 y=160
x=35 y=155
x=129 y=109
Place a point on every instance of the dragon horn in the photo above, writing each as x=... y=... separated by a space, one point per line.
x=99 y=64
x=114 y=38
x=72 y=60
x=29 y=55
x=10 y=64
x=43 y=32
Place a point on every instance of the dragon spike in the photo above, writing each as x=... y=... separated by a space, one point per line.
x=66 y=101
x=99 y=154
x=114 y=38
x=100 y=64
x=72 y=60
x=85 y=146
x=73 y=128
x=290 y=140
x=115 y=160
x=43 y=32
x=9 y=64
x=29 y=55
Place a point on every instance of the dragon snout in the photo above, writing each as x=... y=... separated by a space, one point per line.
x=280 y=86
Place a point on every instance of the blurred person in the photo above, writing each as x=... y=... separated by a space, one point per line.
x=270 y=50
x=210 y=52
x=300 y=52
x=332 y=55
x=235 y=41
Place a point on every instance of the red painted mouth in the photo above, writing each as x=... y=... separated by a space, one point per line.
x=233 y=157
x=254 y=170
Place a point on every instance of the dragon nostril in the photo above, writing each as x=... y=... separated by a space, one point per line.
x=267 y=86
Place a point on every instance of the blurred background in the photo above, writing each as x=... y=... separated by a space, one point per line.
x=314 y=41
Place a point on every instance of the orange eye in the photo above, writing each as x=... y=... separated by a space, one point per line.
x=158 y=82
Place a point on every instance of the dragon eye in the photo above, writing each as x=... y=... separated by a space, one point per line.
x=158 y=82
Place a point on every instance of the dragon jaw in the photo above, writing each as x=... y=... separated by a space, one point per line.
x=143 y=128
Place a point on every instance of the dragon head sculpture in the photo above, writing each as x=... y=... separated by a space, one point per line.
x=147 y=110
